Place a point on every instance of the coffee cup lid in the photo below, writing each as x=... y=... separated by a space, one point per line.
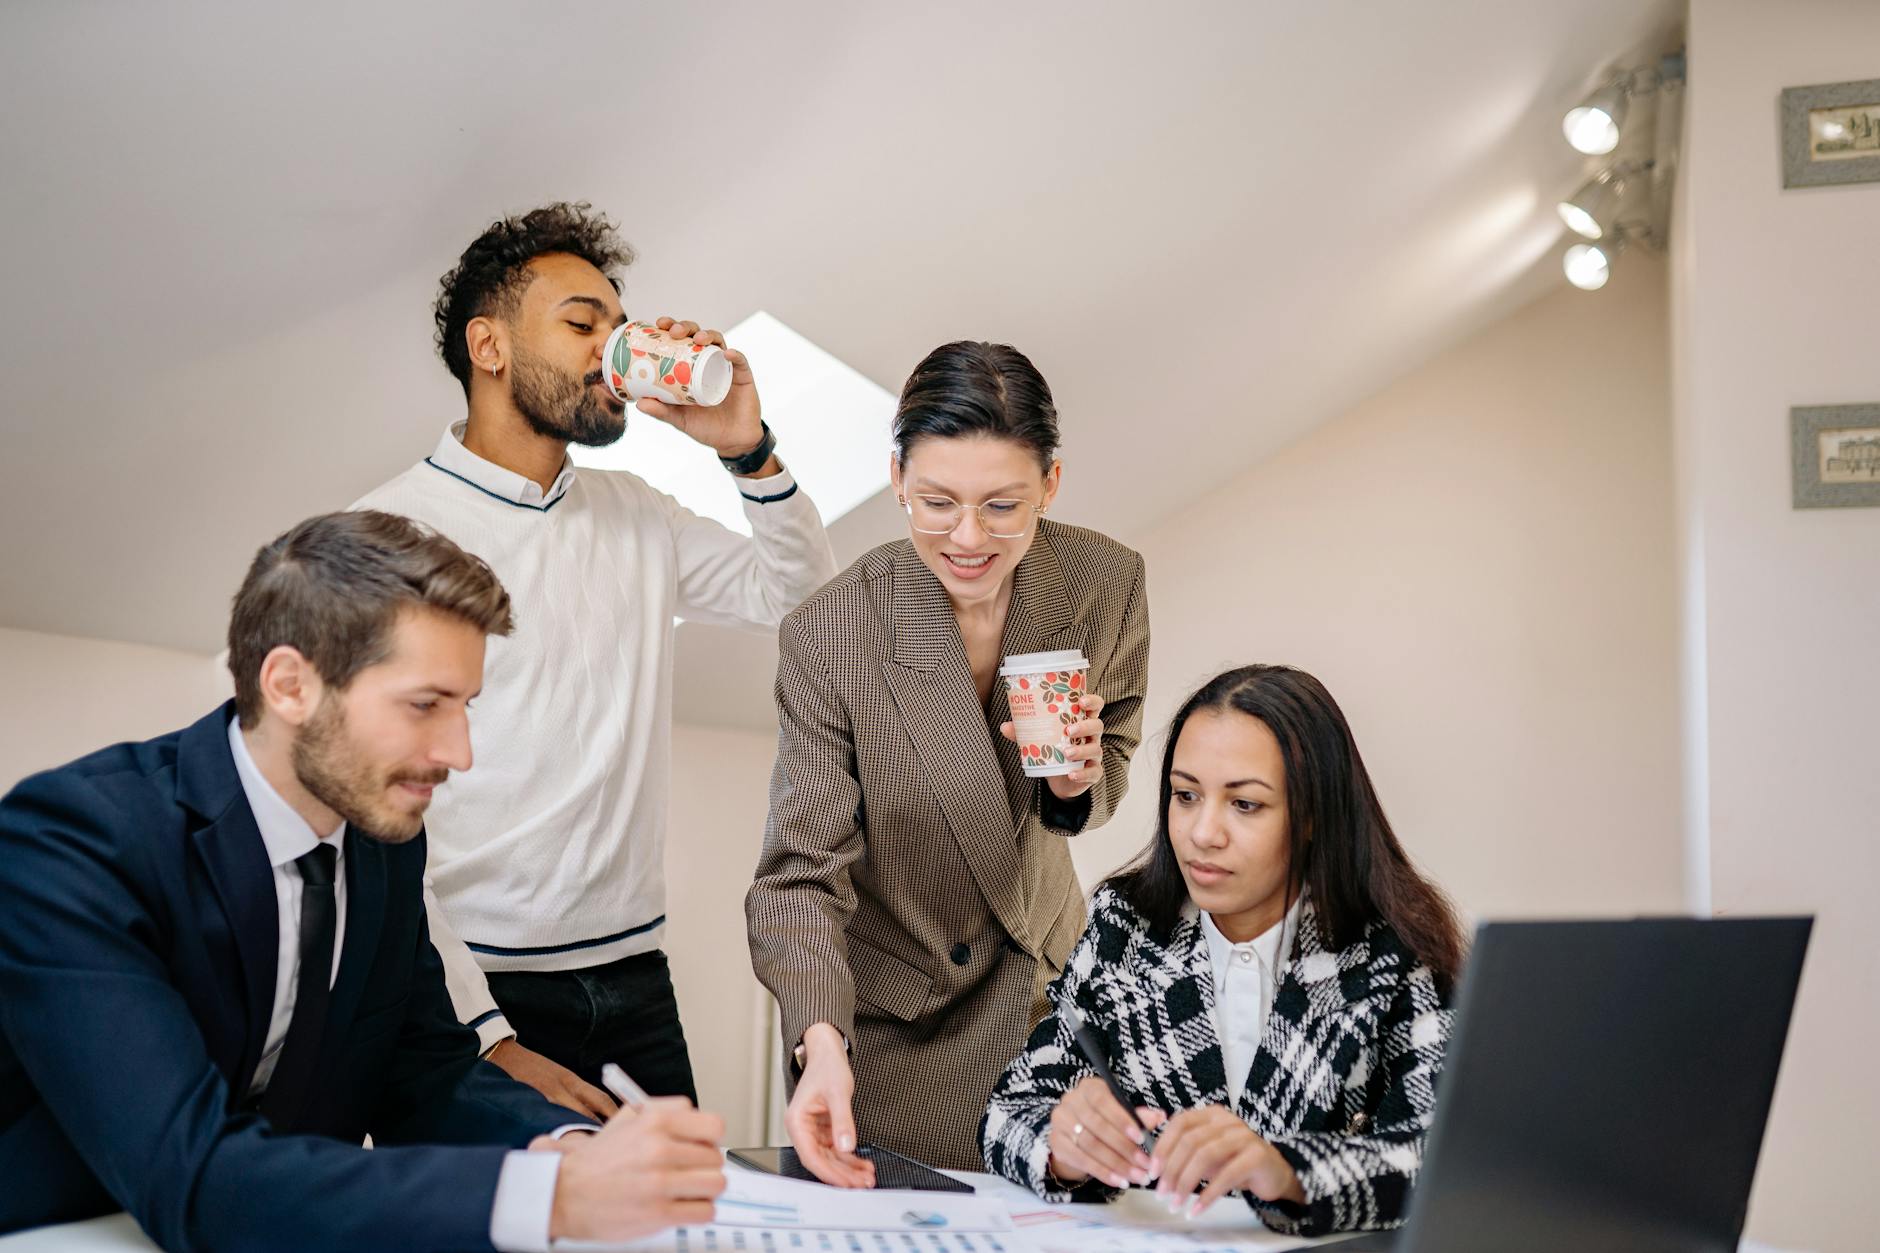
x=1037 y=663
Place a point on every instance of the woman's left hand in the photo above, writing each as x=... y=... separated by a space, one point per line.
x=1086 y=748
x=1211 y=1143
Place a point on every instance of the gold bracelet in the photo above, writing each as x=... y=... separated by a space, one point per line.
x=1051 y=1175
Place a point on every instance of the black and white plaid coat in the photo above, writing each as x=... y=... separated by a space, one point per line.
x=1343 y=1083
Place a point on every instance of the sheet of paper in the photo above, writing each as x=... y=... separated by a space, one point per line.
x=754 y=1199
x=1137 y=1222
x=718 y=1238
x=761 y=1213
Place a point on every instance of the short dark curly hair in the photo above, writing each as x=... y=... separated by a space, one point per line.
x=490 y=277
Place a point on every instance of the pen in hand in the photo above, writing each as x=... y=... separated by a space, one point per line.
x=624 y=1089
x=1092 y=1048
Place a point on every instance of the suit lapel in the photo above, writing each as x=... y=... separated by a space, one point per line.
x=932 y=685
x=365 y=915
x=1206 y=1062
x=1167 y=1038
x=1317 y=993
x=237 y=863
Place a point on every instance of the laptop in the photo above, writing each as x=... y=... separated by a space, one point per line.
x=1606 y=1088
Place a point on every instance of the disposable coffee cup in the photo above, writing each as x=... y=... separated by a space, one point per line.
x=1046 y=693
x=642 y=361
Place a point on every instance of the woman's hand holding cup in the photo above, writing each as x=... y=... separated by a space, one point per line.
x=1086 y=749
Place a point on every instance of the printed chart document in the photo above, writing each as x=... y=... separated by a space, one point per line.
x=1138 y=1222
x=761 y=1213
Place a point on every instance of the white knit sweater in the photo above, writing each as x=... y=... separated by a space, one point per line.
x=548 y=853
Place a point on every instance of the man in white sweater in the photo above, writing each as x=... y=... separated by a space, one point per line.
x=547 y=860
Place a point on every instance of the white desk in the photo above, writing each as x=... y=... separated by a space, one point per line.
x=115 y=1233
x=1227 y=1223
x=1041 y=1226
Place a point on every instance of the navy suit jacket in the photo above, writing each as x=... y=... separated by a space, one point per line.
x=138 y=940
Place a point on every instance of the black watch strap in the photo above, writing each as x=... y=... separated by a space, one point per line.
x=753 y=461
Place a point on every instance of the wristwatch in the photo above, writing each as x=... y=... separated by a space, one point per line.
x=800 y=1056
x=753 y=461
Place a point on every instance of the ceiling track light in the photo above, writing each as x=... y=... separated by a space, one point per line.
x=1627 y=202
x=1593 y=211
x=1588 y=264
x=1594 y=125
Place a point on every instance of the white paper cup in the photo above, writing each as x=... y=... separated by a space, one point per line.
x=1046 y=693
x=641 y=360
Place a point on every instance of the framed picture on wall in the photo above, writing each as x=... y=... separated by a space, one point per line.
x=1835 y=450
x=1831 y=134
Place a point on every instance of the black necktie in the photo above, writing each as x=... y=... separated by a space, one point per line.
x=287 y=1091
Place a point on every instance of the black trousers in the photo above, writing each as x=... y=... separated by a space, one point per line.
x=623 y=1012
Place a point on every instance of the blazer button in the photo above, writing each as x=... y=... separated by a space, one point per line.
x=961 y=954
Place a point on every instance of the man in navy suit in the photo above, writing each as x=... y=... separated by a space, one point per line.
x=215 y=973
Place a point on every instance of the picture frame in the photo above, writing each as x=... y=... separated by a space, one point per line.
x=1831 y=134
x=1835 y=456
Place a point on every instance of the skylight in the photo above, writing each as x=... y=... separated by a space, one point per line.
x=831 y=424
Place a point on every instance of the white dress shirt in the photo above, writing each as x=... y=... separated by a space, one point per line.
x=525 y=1188
x=1246 y=978
x=550 y=854
x=286 y=836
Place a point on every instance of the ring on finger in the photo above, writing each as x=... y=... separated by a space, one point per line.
x=1077 y=1131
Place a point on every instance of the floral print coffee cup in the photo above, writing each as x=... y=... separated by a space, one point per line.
x=1046 y=692
x=642 y=361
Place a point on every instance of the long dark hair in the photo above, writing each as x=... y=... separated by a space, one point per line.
x=974 y=388
x=1340 y=844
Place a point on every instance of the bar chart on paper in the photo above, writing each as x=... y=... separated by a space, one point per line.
x=759 y=1213
x=722 y=1239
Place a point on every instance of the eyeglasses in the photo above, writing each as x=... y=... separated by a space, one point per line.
x=942 y=515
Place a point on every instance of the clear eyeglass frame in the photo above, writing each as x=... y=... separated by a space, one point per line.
x=946 y=520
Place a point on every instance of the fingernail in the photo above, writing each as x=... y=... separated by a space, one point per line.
x=1117 y=1181
x=1174 y=1205
x=1139 y=1176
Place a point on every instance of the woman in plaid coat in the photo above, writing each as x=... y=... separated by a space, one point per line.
x=1270 y=981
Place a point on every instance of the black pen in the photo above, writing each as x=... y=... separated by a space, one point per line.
x=1092 y=1048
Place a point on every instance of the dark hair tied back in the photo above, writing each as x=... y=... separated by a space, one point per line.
x=970 y=388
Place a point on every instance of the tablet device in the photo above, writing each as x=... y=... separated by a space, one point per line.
x=891 y=1169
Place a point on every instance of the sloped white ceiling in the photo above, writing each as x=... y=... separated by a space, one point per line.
x=1213 y=226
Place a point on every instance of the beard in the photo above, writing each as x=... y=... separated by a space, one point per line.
x=560 y=406
x=331 y=767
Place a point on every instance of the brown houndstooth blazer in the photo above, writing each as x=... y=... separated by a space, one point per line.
x=913 y=879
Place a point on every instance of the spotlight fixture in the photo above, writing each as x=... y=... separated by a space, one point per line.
x=1588 y=266
x=1592 y=126
x=1593 y=211
x=1626 y=202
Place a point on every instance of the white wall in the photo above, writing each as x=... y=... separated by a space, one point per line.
x=1478 y=563
x=1775 y=293
x=720 y=789
x=62 y=697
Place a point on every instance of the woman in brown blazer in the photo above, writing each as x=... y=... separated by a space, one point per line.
x=915 y=894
